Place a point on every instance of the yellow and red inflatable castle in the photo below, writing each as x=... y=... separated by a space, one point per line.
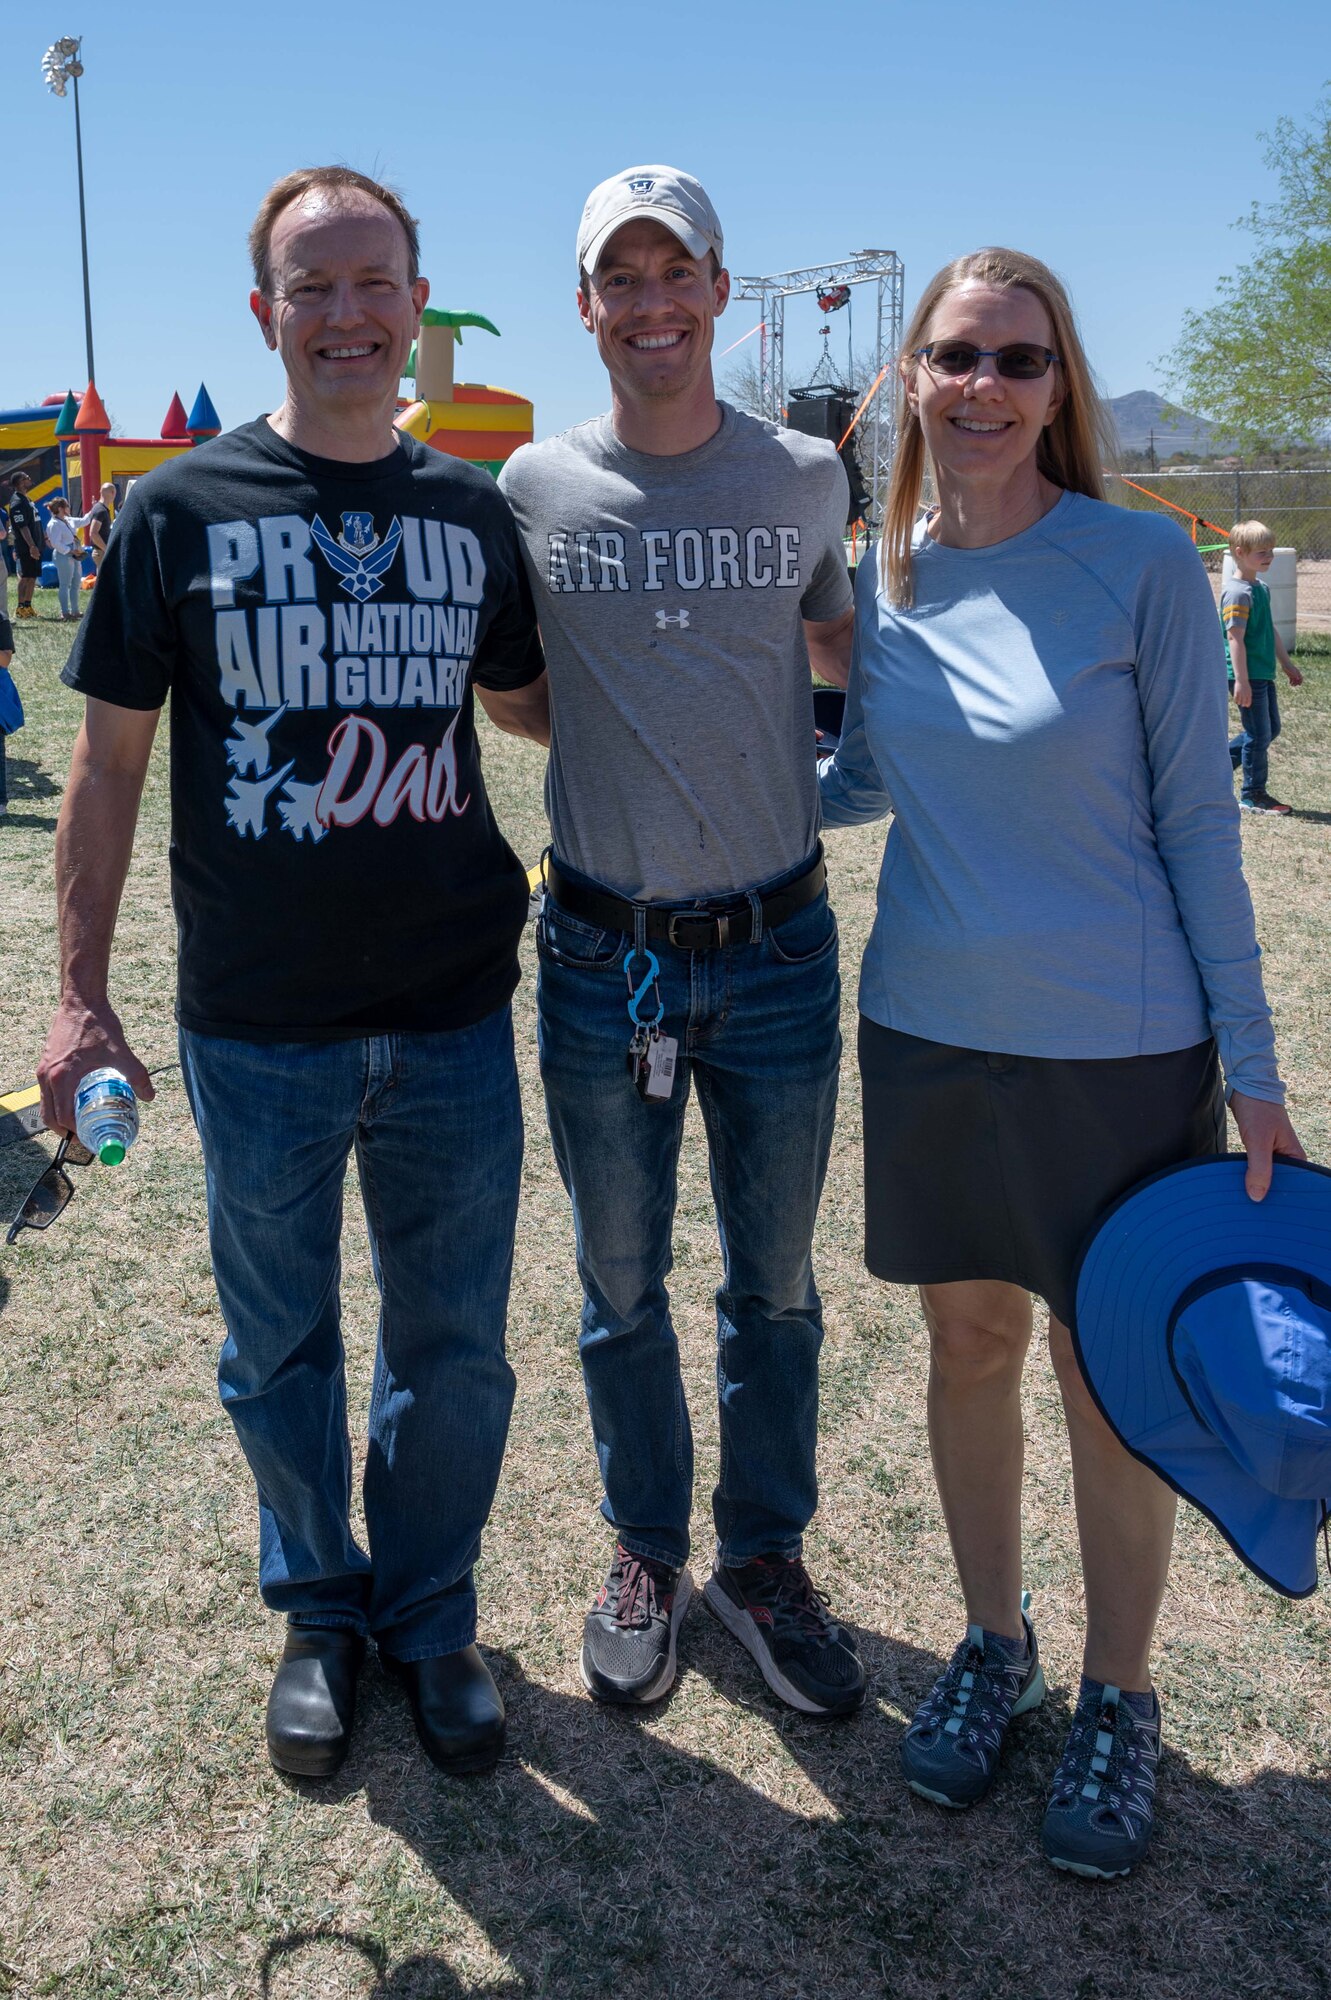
x=465 y=419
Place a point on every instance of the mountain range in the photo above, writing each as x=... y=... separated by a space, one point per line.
x=1142 y=412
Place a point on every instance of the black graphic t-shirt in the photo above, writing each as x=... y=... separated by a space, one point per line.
x=24 y=520
x=99 y=518
x=336 y=868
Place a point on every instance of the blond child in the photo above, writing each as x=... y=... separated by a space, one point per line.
x=1253 y=647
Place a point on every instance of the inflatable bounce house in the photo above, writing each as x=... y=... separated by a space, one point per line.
x=65 y=445
x=467 y=420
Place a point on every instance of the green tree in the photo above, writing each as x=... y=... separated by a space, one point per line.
x=1258 y=362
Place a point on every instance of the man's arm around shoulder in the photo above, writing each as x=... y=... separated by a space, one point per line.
x=94 y=842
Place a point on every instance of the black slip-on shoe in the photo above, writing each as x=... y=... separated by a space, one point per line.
x=457 y=1709
x=312 y=1704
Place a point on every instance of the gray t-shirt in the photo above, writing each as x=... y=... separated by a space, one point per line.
x=670 y=593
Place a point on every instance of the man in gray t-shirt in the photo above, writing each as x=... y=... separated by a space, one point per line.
x=688 y=568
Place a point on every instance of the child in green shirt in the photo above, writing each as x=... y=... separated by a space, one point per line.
x=1253 y=647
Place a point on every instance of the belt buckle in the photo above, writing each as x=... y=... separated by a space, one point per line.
x=717 y=943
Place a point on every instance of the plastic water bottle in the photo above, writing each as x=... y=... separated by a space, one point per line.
x=106 y=1115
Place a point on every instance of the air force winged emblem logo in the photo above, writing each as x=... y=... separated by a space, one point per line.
x=357 y=556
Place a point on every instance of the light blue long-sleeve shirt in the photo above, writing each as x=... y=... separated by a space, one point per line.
x=1063 y=876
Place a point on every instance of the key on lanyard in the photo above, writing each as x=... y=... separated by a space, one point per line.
x=651 y=1055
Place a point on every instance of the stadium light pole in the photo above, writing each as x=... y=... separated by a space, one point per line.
x=61 y=65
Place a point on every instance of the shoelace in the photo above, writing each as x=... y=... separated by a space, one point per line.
x=1072 y=1775
x=640 y=1592
x=789 y=1589
x=1124 y=1786
x=965 y=1682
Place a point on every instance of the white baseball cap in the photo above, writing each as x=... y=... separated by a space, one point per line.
x=649 y=194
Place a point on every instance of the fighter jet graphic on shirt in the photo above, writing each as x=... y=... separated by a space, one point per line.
x=249 y=748
x=296 y=810
x=246 y=803
x=359 y=559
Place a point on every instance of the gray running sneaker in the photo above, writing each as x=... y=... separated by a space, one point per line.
x=1102 y=1807
x=628 y=1640
x=950 y=1752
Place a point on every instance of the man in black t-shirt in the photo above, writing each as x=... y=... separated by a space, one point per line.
x=320 y=596
x=96 y=523
x=25 y=527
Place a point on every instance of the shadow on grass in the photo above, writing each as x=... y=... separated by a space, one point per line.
x=609 y=1855
x=286 y=1968
x=27 y=780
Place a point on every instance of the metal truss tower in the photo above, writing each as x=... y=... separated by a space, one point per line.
x=878 y=424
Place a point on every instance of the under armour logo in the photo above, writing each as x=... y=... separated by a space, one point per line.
x=664 y=618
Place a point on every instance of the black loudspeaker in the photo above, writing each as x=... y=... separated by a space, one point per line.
x=828 y=413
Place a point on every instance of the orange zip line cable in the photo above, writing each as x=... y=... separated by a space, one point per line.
x=872 y=391
x=740 y=342
x=1198 y=520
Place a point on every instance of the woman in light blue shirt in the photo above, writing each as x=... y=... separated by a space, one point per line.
x=1064 y=960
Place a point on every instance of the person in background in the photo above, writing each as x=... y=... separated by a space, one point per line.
x=1063 y=964
x=96 y=523
x=25 y=529
x=1252 y=647
x=6 y=659
x=65 y=548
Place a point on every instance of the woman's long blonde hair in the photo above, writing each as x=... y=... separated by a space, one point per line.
x=1072 y=448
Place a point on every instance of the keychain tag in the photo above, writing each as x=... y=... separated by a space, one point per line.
x=655 y=1077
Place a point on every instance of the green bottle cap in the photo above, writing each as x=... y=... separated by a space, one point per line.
x=112 y=1153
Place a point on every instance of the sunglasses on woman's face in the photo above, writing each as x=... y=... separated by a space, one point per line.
x=1019 y=361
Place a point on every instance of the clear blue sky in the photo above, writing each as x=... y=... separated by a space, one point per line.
x=1119 y=145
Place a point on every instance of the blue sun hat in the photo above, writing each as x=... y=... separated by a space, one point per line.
x=1203 y=1329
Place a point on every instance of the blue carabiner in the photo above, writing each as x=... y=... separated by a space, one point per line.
x=638 y=995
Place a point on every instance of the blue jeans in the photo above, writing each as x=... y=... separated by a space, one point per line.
x=1261 y=726
x=437 y=1126
x=68 y=572
x=760 y=1040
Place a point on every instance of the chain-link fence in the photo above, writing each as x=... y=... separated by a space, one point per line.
x=1294 y=503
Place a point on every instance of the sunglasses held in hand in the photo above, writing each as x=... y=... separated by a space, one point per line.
x=1018 y=362
x=53 y=1190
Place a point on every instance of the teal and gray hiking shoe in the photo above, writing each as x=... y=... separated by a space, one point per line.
x=1102 y=1806
x=950 y=1752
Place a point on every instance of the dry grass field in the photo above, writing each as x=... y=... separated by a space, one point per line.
x=715 y=1847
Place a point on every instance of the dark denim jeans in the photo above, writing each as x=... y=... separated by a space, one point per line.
x=759 y=1039
x=1261 y=726
x=437 y=1128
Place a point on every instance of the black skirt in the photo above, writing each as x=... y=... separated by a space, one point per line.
x=980 y=1165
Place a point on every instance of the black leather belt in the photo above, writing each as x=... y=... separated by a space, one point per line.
x=704 y=927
